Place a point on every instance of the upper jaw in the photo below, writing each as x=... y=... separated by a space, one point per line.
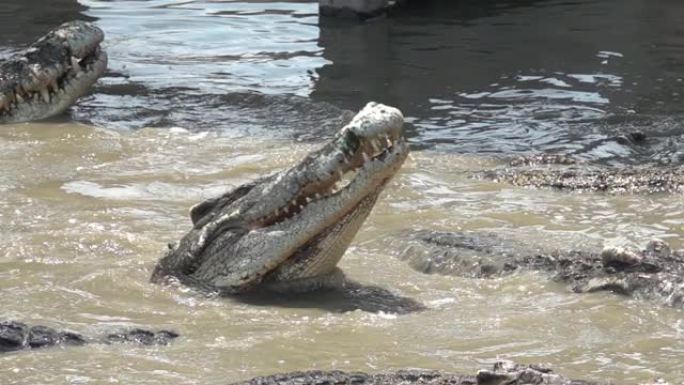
x=51 y=74
x=377 y=121
x=80 y=37
x=374 y=131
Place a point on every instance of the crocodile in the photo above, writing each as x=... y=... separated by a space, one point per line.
x=564 y=172
x=502 y=373
x=46 y=78
x=286 y=232
x=654 y=273
x=15 y=335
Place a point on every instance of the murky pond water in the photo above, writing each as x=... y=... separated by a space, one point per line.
x=205 y=95
x=86 y=212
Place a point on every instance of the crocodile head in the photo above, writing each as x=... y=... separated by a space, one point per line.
x=289 y=230
x=48 y=77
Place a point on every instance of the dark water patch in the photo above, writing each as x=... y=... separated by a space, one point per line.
x=503 y=77
x=236 y=114
x=352 y=297
x=489 y=77
x=21 y=22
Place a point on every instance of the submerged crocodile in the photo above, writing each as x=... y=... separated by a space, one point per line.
x=288 y=231
x=655 y=273
x=16 y=335
x=567 y=173
x=48 y=77
x=502 y=373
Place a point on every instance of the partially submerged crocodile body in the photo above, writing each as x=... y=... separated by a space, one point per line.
x=503 y=373
x=16 y=335
x=288 y=231
x=566 y=173
x=48 y=77
x=655 y=273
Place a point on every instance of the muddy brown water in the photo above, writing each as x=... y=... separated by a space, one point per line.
x=204 y=95
x=86 y=212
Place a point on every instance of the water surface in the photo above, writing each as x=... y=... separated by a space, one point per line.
x=492 y=77
x=86 y=212
x=204 y=95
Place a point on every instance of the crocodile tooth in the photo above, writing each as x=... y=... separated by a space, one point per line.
x=346 y=160
x=21 y=92
x=366 y=158
x=45 y=94
x=53 y=85
x=318 y=196
x=74 y=64
x=339 y=172
x=308 y=199
x=375 y=144
x=19 y=98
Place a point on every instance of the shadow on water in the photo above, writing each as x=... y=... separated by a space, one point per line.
x=503 y=77
x=354 y=296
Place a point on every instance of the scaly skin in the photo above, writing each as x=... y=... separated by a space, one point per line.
x=503 y=373
x=48 y=77
x=289 y=230
x=565 y=173
x=655 y=273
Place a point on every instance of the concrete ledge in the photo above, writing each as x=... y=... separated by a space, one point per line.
x=359 y=9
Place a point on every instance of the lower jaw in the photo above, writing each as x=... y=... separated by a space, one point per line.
x=311 y=266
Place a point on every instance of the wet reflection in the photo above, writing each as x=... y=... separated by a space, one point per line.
x=505 y=76
x=240 y=68
x=235 y=114
x=211 y=46
x=487 y=77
